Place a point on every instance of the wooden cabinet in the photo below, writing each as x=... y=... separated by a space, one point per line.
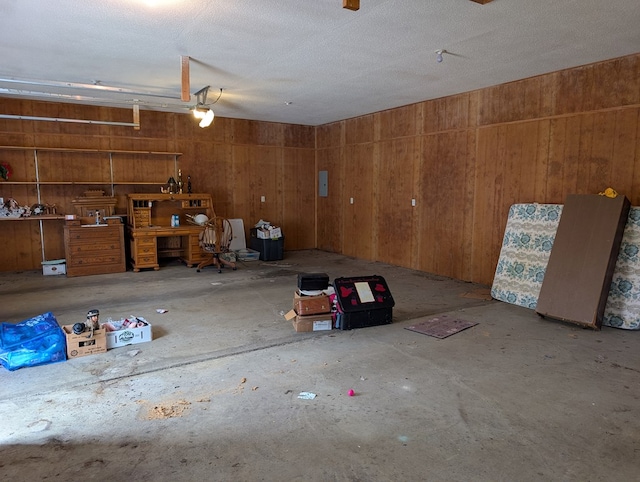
x=144 y=251
x=94 y=249
x=151 y=233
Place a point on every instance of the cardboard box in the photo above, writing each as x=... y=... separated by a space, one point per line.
x=309 y=323
x=311 y=305
x=86 y=343
x=128 y=336
x=52 y=268
x=269 y=233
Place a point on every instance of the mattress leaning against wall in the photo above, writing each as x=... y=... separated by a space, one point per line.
x=525 y=251
x=526 y=246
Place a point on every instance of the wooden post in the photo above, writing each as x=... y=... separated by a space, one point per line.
x=351 y=4
x=136 y=117
x=186 y=95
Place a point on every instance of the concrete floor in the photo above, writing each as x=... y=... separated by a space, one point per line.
x=215 y=395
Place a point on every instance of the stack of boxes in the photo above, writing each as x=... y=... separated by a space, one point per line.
x=311 y=304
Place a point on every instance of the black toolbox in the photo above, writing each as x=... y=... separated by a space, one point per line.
x=313 y=281
x=363 y=301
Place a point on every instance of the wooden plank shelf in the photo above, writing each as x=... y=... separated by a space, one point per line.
x=84 y=183
x=43 y=217
x=57 y=175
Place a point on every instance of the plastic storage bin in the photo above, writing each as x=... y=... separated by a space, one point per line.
x=270 y=249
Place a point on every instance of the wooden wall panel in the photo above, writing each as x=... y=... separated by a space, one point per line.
x=212 y=171
x=623 y=156
x=21 y=246
x=359 y=129
x=299 y=198
x=488 y=192
x=329 y=135
x=54 y=239
x=359 y=235
x=444 y=203
x=536 y=156
x=395 y=123
x=299 y=136
x=395 y=189
x=139 y=168
x=427 y=198
x=257 y=174
x=448 y=113
x=257 y=133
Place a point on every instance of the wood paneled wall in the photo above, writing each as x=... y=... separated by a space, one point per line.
x=467 y=158
x=237 y=161
x=464 y=159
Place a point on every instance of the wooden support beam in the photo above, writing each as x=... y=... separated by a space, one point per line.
x=136 y=117
x=186 y=94
x=351 y=4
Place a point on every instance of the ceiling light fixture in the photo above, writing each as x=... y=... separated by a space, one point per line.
x=201 y=110
x=439 y=55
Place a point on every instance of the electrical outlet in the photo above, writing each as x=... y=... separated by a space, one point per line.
x=413 y=202
x=351 y=200
x=262 y=199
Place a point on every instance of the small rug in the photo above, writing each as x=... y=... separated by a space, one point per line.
x=441 y=326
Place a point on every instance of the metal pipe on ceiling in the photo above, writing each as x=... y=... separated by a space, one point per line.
x=60 y=119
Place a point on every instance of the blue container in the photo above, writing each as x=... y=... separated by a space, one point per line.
x=36 y=341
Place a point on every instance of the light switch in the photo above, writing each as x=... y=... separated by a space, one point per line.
x=351 y=200
x=413 y=202
x=262 y=199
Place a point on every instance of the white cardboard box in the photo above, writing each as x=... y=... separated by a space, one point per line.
x=271 y=233
x=52 y=268
x=128 y=336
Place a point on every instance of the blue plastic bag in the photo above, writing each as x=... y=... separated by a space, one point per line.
x=36 y=341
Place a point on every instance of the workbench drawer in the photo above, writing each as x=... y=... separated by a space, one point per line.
x=94 y=247
x=99 y=260
x=145 y=242
x=88 y=235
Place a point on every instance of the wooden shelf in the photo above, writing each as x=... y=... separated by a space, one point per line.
x=52 y=173
x=109 y=182
x=42 y=217
x=84 y=183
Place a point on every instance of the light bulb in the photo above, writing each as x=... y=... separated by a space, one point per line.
x=207 y=119
x=199 y=112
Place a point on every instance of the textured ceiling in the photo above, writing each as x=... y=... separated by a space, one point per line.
x=297 y=61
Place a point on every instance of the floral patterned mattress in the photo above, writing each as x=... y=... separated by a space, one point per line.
x=525 y=251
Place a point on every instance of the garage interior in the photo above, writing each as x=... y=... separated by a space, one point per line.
x=419 y=188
